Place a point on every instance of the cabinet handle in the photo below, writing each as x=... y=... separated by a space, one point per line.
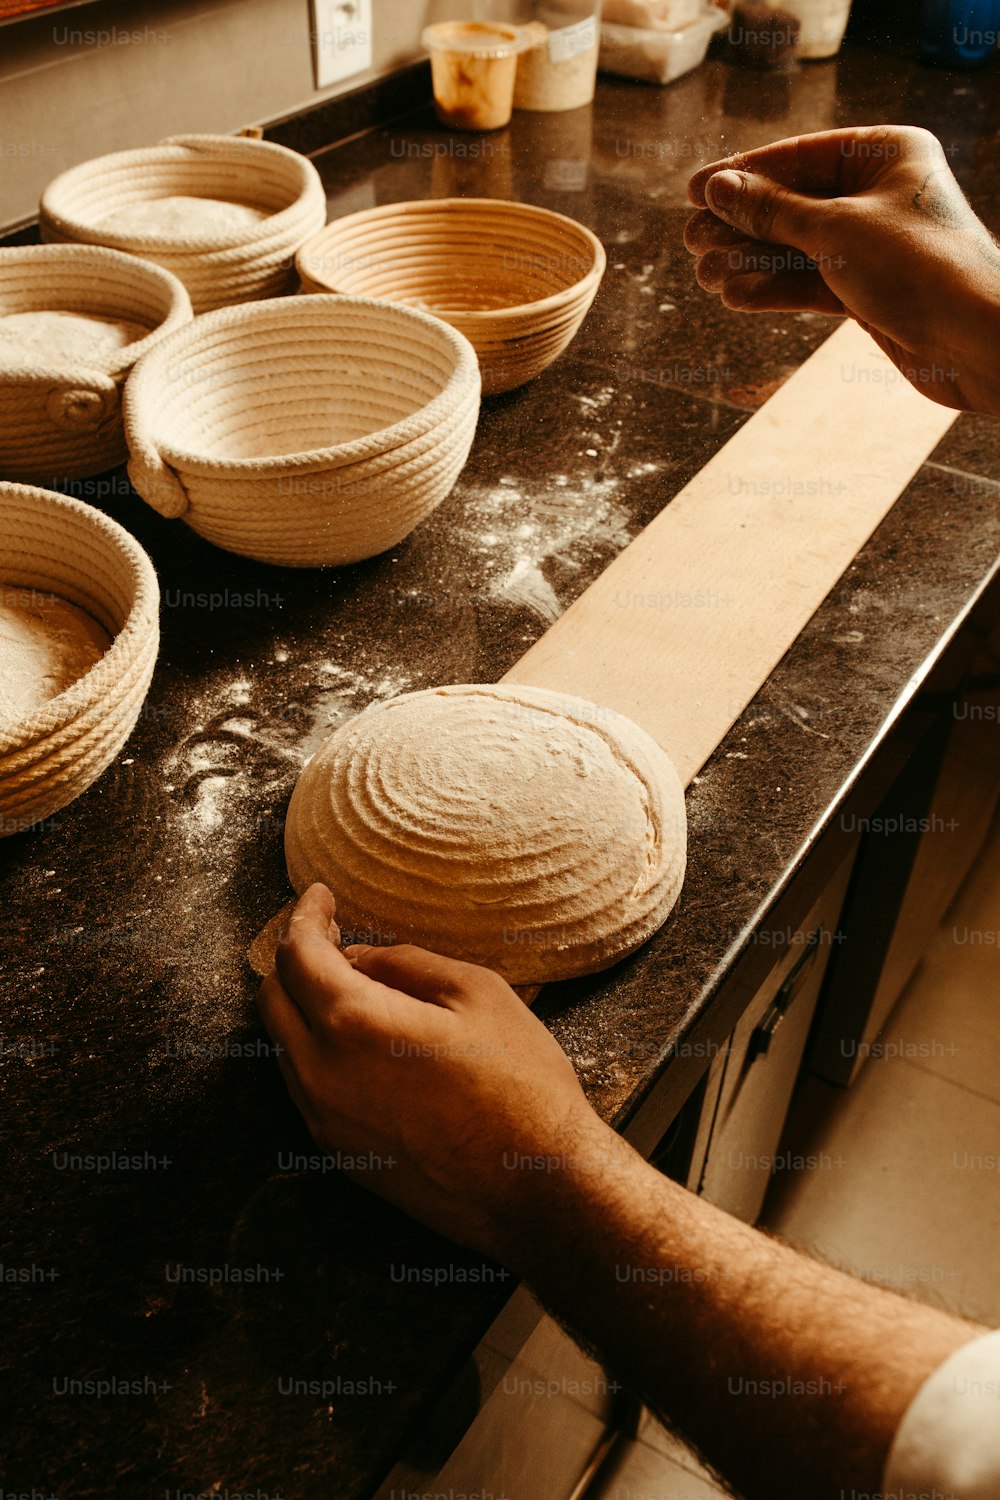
x=763 y=1033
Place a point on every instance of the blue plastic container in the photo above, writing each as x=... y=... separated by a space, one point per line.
x=959 y=33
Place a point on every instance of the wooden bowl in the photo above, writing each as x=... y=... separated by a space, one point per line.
x=61 y=418
x=57 y=546
x=304 y=431
x=515 y=279
x=218 y=267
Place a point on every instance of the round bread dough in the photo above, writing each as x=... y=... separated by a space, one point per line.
x=182 y=218
x=54 y=338
x=46 y=644
x=526 y=830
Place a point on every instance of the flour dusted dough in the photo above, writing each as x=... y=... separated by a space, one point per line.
x=510 y=826
x=182 y=218
x=46 y=644
x=54 y=338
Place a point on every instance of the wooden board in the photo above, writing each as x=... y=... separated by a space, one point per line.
x=689 y=621
x=687 y=624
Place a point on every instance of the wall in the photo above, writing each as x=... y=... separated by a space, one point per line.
x=101 y=77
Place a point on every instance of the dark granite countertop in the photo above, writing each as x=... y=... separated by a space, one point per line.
x=128 y=1022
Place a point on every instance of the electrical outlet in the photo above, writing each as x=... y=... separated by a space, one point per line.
x=342 y=37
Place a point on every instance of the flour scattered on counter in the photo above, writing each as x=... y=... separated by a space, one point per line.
x=519 y=529
x=589 y=405
x=526 y=584
x=343 y=694
x=228 y=782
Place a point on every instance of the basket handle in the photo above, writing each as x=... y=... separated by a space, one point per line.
x=157 y=483
x=82 y=401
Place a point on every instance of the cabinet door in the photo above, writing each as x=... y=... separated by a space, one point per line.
x=543 y=1431
x=905 y=881
x=762 y=1065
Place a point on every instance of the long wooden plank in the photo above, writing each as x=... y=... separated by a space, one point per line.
x=689 y=621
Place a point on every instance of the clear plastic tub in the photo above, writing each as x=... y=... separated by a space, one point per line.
x=822 y=24
x=473 y=68
x=558 y=68
x=659 y=56
x=654 y=15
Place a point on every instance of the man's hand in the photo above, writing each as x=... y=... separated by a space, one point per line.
x=439 y=1065
x=868 y=222
x=433 y=1063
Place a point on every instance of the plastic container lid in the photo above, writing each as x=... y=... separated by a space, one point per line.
x=480 y=38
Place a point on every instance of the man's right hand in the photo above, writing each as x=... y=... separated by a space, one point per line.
x=868 y=222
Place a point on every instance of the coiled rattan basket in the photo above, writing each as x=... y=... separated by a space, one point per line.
x=305 y=431
x=63 y=421
x=54 y=545
x=218 y=269
x=516 y=280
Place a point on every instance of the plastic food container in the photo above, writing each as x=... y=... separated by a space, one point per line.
x=659 y=56
x=654 y=15
x=822 y=25
x=473 y=68
x=958 y=33
x=558 y=67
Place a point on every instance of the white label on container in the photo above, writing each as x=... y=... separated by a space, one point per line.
x=570 y=41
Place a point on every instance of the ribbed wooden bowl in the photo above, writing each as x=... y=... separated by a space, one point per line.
x=515 y=279
x=304 y=431
x=62 y=421
x=217 y=269
x=60 y=546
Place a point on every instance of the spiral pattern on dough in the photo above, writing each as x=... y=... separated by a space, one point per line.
x=523 y=829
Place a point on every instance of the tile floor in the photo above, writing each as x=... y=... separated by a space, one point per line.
x=913 y=1204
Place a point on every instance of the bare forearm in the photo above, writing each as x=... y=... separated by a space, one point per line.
x=788 y=1377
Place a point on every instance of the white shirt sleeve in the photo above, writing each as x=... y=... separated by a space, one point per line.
x=948 y=1442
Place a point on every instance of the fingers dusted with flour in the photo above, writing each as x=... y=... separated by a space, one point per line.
x=432 y=1067
x=865 y=221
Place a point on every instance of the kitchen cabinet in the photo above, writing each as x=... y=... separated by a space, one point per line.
x=751 y=1081
x=915 y=852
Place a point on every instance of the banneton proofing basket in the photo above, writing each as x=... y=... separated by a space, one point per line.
x=54 y=545
x=304 y=431
x=64 y=420
x=515 y=279
x=217 y=269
